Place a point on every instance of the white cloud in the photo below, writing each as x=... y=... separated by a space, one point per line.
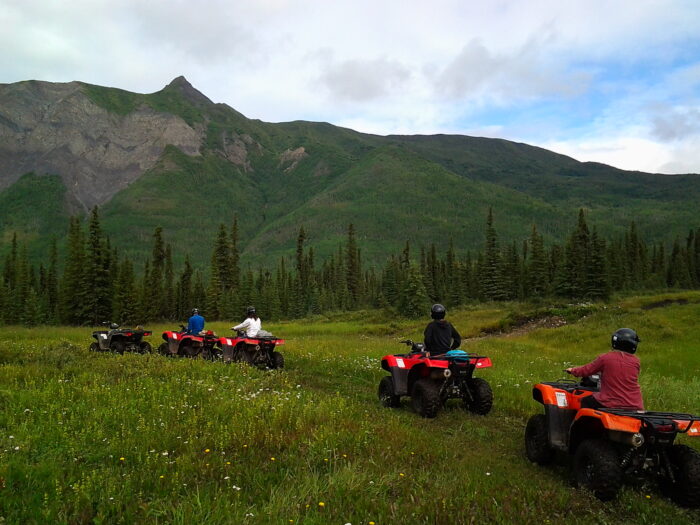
x=396 y=66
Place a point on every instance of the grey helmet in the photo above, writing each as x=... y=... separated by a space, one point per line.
x=438 y=311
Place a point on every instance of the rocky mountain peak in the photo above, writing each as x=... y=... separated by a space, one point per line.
x=183 y=86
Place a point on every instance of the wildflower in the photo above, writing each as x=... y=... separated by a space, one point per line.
x=121 y=459
x=488 y=473
x=206 y=451
x=648 y=496
x=227 y=477
x=272 y=459
x=161 y=476
x=321 y=504
x=228 y=462
x=371 y=523
x=164 y=453
x=325 y=459
x=401 y=474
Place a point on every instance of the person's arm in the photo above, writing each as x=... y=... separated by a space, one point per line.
x=587 y=370
x=456 y=338
x=427 y=336
x=242 y=326
x=189 y=324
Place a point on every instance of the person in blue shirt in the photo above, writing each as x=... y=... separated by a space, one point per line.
x=195 y=323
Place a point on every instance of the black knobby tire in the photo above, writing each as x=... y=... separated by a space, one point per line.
x=94 y=347
x=163 y=349
x=188 y=350
x=481 y=396
x=386 y=395
x=425 y=397
x=117 y=346
x=685 y=488
x=277 y=361
x=145 y=347
x=597 y=468
x=537 y=447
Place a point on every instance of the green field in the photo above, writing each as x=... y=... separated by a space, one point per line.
x=101 y=438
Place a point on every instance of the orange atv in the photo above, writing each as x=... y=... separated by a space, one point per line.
x=611 y=445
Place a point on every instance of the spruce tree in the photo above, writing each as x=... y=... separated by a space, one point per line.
x=71 y=287
x=413 y=300
x=537 y=270
x=492 y=285
x=97 y=288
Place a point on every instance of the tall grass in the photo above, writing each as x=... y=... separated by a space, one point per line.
x=102 y=438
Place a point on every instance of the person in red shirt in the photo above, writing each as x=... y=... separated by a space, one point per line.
x=619 y=371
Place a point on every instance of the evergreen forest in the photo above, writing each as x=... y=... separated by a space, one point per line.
x=92 y=282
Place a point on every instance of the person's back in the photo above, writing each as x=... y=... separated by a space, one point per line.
x=251 y=325
x=619 y=370
x=195 y=324
x=440 y=336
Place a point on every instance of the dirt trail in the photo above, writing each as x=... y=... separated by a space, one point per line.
x=553 y=321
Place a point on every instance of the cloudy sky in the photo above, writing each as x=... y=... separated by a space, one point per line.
x=609 y=81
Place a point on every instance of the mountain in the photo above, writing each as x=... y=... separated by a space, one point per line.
x=178 y=160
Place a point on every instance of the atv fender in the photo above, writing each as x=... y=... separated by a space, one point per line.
x=399 y=375
x=594 y=424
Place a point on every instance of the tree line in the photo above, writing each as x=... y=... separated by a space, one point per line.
x=96 y=284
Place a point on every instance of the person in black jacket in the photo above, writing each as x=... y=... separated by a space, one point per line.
x=440 y=336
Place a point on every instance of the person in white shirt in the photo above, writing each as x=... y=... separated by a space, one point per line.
x=251 y=325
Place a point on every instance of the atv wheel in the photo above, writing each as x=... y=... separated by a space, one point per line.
x=597 y=468
x=94 y=347
x=386 y=393
x=685 y=465
x=117 y=346
x=537 y=446
x=425 y=397
x=481 y=397
x=163 y=349
x=188 y=350
x=277 y=361
x=145 y=348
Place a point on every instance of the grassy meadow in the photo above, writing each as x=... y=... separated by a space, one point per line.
x=102 y=438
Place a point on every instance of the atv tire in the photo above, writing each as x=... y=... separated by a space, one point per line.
x=188 y=350
x=277 y=361
x=425 y=397
x=163 y=349
x=685 y=464
x=145 y=348
x=94 y=347
x=537 y=446
x=481 y=397
x=386 y=393
x=117 y=347
x=597 y=468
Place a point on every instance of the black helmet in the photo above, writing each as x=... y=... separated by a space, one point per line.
x=437 y=311
x=195 y=311
x=625 y=339
x=250 y=310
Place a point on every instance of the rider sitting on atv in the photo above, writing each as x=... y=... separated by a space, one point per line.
x=251 y=325
x=440 y=336
x=619 y=371
x=195 y=323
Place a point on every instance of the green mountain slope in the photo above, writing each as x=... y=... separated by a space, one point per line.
x=279 y=177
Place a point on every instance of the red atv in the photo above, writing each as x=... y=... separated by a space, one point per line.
x=432 y=380
x=259 y=351
x=609 y=445
x=121 y=340
x=183 y=344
